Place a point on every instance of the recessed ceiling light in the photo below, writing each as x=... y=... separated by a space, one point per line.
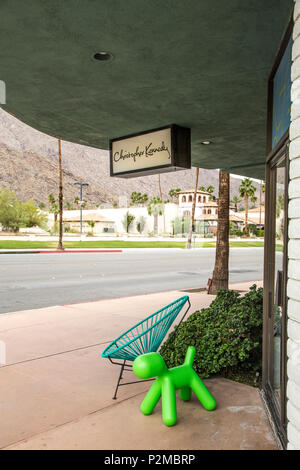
x=206 y=142
x=103 y=55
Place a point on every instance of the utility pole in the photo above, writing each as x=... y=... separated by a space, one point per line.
x=80 y=203
x=60 y=198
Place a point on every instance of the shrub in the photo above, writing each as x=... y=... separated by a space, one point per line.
x=252 y=229
x=226 y=334
x=261 y=233
x=127 y=221
x=15 y=214
x=140 y=224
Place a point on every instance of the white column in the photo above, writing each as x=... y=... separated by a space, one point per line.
x=293 y=287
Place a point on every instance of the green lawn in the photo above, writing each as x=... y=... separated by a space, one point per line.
x=20 y=244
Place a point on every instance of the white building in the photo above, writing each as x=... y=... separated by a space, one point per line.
x=108 y=221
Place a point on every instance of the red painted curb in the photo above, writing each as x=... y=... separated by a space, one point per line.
x=57 y=251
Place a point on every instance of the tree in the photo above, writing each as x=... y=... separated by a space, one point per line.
x=262 y=188
x=253 y=199
x=137 y=199
x=140 y=224
x=11 y=214
x=189 y=241
x=77 y=202
x=211 y=189
x=127 y=221
x=279 y=205
x=60 y=198
x=159 y=187
x=155 y=207
x=69 y=206
x=92 y=223
x=15 y=214
x=220 y=273
x=235 y=201
x=202 y=188
x=144 y=198
x=174 y=193
x=247 y=190
x=32 y=216
x=53 y=206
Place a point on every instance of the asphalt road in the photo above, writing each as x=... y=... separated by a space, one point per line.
x=40 y=280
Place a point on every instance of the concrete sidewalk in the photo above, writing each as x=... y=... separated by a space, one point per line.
x=56 y=391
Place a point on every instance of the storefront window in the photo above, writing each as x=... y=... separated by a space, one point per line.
x=275 y=323
x=276 y=238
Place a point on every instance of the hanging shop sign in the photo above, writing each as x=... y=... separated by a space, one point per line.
x=147 y=153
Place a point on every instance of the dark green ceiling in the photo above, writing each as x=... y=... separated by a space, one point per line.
x=203 y=64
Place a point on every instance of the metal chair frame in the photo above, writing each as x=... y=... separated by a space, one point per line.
x=142 y=347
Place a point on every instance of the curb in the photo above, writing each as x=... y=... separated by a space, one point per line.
x=36 y=252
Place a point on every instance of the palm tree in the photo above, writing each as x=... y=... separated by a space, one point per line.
x=144 y=198
x=247 y=190
x=253 y=199
x=235 y=201
x=220 y=273
x=155 y=207
x=174 y=193
x=189 y=241
x=60 y=198
x=68 y=206
x=159 y=186
x=211 y=189
x=53 y=206
x=262 y=188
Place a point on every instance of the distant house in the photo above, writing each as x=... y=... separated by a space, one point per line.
x=206 y=211
x=256 y=216
x=102 y=224
x=204 y=205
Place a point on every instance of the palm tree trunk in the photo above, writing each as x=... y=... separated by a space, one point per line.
x=160 y=195
x=60 y=199
x=260 y=205
x=246 y=213
x=189 y=241
x=159 y=186
x=220 y=273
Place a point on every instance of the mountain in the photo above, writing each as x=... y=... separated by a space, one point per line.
x=29 y=166
x=32 y=176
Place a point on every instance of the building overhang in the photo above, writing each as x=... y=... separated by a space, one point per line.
x=198 y=64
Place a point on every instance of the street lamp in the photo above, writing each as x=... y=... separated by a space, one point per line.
x=80 y=203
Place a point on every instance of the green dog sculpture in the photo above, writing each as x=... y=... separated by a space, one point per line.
x=168 y=381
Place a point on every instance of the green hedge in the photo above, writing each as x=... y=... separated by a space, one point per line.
x=227 y=334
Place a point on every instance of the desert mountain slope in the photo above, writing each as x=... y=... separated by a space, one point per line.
x=29 y=161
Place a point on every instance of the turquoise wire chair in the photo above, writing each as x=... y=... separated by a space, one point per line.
x=144 y=337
